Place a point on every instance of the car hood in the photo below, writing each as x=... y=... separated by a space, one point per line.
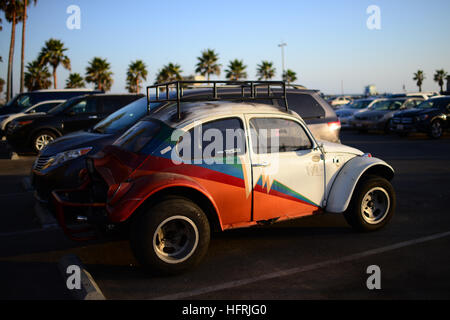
x=374 y=113
x=330 y=147
x=33 y=116
x=78 y=140
x=413 y=112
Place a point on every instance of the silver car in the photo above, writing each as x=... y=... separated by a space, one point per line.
x=347 y=112
x=380 y=114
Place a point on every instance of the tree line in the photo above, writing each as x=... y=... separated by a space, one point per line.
x=98 y=71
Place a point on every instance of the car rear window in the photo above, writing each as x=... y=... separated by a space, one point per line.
x=138 y=136
x=305 y=105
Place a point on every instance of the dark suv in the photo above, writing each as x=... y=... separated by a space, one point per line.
x=60 y=162
x=431 y=116
x=34 y=132
x=25 y=100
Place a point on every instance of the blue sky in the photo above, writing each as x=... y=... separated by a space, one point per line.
x=328 y=41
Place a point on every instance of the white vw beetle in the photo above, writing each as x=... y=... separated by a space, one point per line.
x=250 y=164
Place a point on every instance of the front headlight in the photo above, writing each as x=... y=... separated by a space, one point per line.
x=69 y=155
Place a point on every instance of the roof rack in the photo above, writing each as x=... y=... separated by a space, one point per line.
x=249 y=91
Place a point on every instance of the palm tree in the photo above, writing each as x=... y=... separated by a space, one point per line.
x=439 y=77
x=75 y=80
x=98 y=72
x=289 y=76
x=170 y=72
x=37 y=76
x=53 y=54
x=22 y=61
x=13 y=10
x=207 y=63
x=137 y=71
x=236 y=70
x=419 y=76
x=265 y=70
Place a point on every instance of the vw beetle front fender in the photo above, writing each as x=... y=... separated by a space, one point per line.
x=344 y=185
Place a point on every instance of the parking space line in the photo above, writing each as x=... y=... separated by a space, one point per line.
x=311 y=267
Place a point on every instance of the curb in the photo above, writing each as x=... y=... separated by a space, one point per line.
x=46 y=220
x=89 y=289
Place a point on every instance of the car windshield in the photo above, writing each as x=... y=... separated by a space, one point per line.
x=63 y=106
x=21 y=101
x=388 y=105
x=359 y=104
x=124 y=117
x=138 y=136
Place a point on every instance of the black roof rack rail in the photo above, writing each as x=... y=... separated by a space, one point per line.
x=248 y=91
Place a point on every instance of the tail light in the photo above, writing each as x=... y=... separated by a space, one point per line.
x=335 y=125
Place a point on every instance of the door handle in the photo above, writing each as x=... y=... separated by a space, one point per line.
x=93 y=117
x=261 y=164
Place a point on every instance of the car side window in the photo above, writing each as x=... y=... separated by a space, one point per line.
x=84 y=106
x=410 y=104
x=218 y=138
x=274 y=135
x=45 y=107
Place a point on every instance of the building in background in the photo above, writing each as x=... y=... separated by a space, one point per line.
x=370 y=90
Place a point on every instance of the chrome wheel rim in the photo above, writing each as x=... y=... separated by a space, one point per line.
x=375 y=205
x=175 y=239
x=42 y=141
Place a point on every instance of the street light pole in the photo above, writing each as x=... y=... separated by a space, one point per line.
x=282 y=45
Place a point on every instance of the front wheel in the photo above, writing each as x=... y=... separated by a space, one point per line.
x=372 y=205
x=171 y=237
x=42 y=139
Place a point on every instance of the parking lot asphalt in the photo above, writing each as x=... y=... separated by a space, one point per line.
x=317 y=257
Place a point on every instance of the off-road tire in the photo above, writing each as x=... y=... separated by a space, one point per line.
x=171 y=212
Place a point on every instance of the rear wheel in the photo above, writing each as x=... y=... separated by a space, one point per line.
x=372 y=205
x=42 y=139
x=171 y=236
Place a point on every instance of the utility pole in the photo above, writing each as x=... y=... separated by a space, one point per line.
x=282 y=45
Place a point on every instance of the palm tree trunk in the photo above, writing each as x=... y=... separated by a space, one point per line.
x=137 y=85
x=11 y=56
x=22 y=62
x=54 y=78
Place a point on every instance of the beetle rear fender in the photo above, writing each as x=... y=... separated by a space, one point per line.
x=148 y=190
x=345 y=183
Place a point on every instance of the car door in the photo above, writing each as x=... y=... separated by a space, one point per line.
x=82 y=115
x=220 y=164
x=287 y=168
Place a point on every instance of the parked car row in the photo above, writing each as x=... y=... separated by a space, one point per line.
x=410 y=113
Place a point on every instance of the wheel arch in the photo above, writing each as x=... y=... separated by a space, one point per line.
x=192 y=194
x=344 y=185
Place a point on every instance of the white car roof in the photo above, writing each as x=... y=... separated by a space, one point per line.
x=198 y=111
